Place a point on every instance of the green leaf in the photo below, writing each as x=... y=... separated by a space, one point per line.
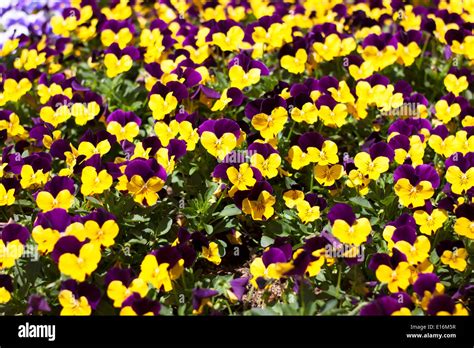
x=266 y=241
x=209 y=229
x=136 y=105
x=137 y=241
x=210 y=191
x=286 y=309
x=94 y=201
x=388 y=200
x=417 y=311
x=434 y=258
x=262 y=311
x=105 y=308
x=164 y=226
x=222 y=247
x=25 y=203
x=33 y=270
x=361 y=202
x=193 y=170
x=138 y=218
x=330 y=305
x=333 y=291
x=165 y=310
x=230 y=210
x=278 y=228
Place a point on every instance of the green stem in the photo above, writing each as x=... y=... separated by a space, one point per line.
x=218 y=202
x=229 y=309
x=19 y=275
x=291 y=131
x=418 y=64
x=435 y=241
x=357 y=309
x=183 y=279
x=249 y=296
x=339 y=278
x=303 y=306
x=4 y=215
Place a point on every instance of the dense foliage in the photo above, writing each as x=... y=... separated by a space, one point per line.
x=237 y=157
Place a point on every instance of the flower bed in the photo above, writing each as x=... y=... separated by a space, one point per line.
x=237 y=157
